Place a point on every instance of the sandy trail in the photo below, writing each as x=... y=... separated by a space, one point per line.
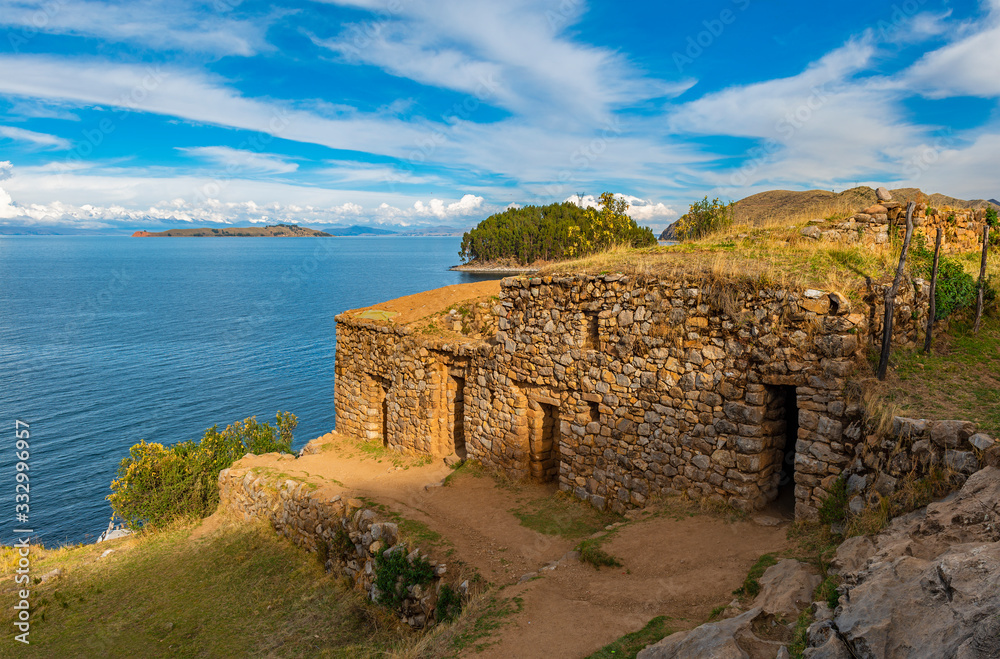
x=677 y=565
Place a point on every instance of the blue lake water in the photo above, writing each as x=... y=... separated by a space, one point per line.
x=108 y=340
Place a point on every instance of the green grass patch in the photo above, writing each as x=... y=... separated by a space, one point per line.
x=472 y=468
x=751 y=585
x=959 y=380
x=563 y=516
x=240 y=591
x=482 y=619
x=629 y=645
x=592 y=553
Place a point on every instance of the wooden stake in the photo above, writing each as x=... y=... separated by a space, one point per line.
x=982 y=280
x=932 y=312
x=890 y=296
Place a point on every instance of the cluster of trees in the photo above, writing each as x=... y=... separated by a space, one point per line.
x=553 y=232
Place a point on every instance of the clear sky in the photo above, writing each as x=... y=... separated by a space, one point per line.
x=439 y=112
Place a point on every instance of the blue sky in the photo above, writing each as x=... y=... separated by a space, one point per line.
x=416 y=112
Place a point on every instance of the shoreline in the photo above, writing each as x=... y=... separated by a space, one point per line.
x=487 y=269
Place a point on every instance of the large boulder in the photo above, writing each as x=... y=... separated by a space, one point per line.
x=787 y=588
x=883 y=194
x=930 y=585
x=732 y=638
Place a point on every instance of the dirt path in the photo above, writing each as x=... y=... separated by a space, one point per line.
x=673 y=563
x=681 y=568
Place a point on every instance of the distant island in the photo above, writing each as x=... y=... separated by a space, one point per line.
x=273 y=231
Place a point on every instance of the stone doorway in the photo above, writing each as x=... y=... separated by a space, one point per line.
x=543 y=439
x=383 y=388
x=456 y=405
x=782 y=426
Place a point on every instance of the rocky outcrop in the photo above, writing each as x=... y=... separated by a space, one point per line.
x=962 y=228
x=929 y=585
x=762 y=632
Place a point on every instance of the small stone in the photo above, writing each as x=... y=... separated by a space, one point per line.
x=883 y=194
x=981 y=441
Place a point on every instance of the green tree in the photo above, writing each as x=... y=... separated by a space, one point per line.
x=703 y=218
x=554 y=232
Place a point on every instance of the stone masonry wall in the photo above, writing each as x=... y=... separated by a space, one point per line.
x=621 y=389
x=664 y=388
x=392 y=385
x=962 y=228
x=350 y=533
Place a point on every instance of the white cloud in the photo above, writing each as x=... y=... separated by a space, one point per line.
x=241 y=162
x=437 y=208
x=181 y=199
x=160 y=24
x=512 y=54
x=965 y=67
x=640 y=210
x=40 y=139
x=6 y=170
x=201 y=98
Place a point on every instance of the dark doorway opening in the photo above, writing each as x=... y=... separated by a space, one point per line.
x=384 y=388
x=783 y=407
x=457 y=390
x=544 y=442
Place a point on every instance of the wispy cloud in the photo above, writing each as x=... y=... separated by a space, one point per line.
x=511 y=52
x=241 y=162
x=30 y=136
x=160 y=24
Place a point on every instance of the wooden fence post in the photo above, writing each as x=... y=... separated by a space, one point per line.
x=933 y=301
x=890 y=296
x=982 y=280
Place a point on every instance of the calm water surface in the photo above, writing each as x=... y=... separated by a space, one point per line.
x=108 y=340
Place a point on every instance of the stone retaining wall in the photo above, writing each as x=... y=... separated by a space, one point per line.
x=350 y=533
x=913 y=448
x=962 y=228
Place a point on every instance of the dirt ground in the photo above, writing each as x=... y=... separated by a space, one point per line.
x=677 y=564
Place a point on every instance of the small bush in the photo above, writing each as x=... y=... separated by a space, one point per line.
x=394 y=576
x=834 y=508
x=956 y=289
x=591 y=552
x=991 y=218
x=158 y=484
x=449 y=604
x=703 y=218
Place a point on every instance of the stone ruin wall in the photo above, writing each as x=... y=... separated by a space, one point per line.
x=622 y=389
x=392 y=382
x=962 y=228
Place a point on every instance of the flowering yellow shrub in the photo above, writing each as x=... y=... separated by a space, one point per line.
x=157 y=484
